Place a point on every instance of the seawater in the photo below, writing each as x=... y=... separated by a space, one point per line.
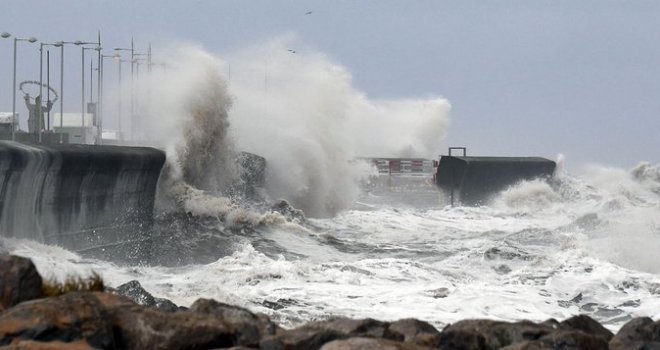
x=580 y=244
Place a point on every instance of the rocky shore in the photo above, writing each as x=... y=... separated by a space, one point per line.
x=128 y=317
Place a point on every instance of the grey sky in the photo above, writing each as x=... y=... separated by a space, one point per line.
x=523 y=77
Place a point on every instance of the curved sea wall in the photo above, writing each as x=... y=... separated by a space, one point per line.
x=77 y=196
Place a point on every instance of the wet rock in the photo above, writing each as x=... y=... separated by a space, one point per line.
x=639 y=333
x=280 y=304
x=495 y=334
x=19 y=281
x=300 y=339
x=438 y=293
x=568 y=303
x=587 y=325
x=458 y=339
x=165 y=305
x=139 y=327
x=501 y=253
x=252 y=327
x=51 y=345
x=502 y=269
x=134 y=291
x=411 y=330
x=287 y=210
x=68 y=318
x=369 y=344
x=367 y=327
x=314 y=334
x=568 y=340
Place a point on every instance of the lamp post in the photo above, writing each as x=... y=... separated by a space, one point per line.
x=137 y=116
x=6 y=35
x=83 y=48
x=100 y=91
x=13 y=104
x=132 y=50
x=119 y=62
x=61 y=45
x=41 y=84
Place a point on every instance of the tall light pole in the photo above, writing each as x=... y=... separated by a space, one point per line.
x=119 y=62
x=83 y=48
x=6 y=35
x=61 y=46
x=41 y=84
x=13 y=104
x=132 y=50
x=100 y=90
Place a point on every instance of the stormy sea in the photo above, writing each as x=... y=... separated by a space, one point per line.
x=326 y=235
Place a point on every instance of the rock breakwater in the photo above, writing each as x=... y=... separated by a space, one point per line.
x=128 y=317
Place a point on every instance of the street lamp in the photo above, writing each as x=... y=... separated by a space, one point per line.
x=100 y=91
x=61 y=45
x=6 y=35
x=83 y=48
x=132 y=50
x=13 y=104
x=119 y=62
x=41 y=84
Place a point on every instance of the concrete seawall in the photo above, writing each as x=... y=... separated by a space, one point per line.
x=77 y=196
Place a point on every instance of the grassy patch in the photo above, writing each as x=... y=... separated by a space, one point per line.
x=93 y=283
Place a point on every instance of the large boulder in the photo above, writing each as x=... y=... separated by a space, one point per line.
x=489 y=334
x=251 y=327
x=411 y=330
x=562 y=339
x=638 y=333
x=370 y=344
x=139 y=327
x=313 y=335
x=19 y=281
x=133 y=290
x=69 y=318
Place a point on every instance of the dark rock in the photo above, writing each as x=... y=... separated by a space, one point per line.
x=251 y=327
x=506 y=253
x=411 y=330
x=496 y=334
x=563 y=339
x=287 y=210
x=639 y=333
x=134 y=291
x=68 y=318
x=438 y=293
x=51 y=345
x=588 y=325
x=300 y=339
x=458 y=339
x=369 y=344
x=139 y=327
x=165 y=305
x=279 y=304
x=314 y=334
x=356 y=328
x=19 y=281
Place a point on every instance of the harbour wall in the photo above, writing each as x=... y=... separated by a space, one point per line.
x=77 y=196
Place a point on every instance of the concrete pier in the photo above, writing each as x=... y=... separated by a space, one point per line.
x=472 y=180
x=77 y=196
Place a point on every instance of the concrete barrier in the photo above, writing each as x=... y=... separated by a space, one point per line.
x=471 y=180
x=77 y=196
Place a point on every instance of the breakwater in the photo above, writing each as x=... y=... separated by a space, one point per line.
x=77 y=196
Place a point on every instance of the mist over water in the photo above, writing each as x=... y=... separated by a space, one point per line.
x=368 y=247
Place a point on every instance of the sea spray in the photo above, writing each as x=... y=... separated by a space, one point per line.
x=303 y=114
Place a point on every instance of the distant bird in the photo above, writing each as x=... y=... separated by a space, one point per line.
x=308 y=12
x=292 y=51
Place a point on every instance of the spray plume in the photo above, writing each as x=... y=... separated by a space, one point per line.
x=299 y=111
